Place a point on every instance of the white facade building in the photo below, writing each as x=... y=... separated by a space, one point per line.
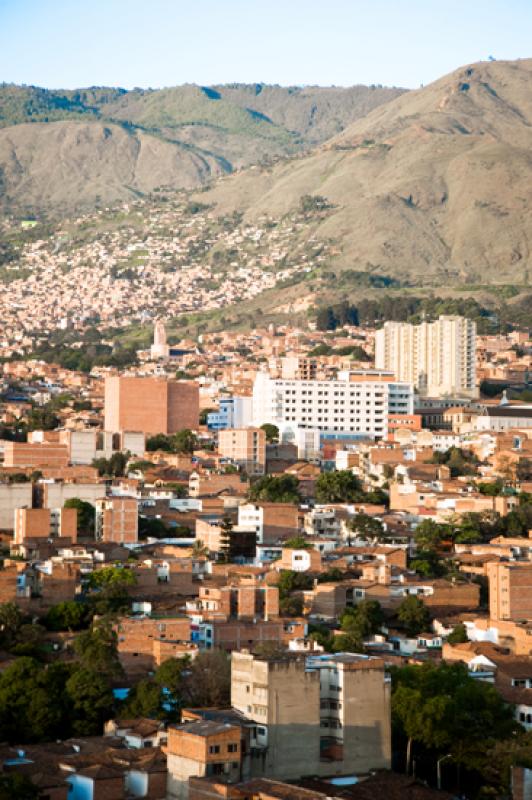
x=439 y=357
x=357 y=402
x=233 y=412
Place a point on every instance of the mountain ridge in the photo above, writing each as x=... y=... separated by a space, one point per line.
x=435 y=182
x=198 y=133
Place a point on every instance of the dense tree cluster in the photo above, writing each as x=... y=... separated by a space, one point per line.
x=275 y=489
x=184 y=441
x=409 y=308
x=342 y=486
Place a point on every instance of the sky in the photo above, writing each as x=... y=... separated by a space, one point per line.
x=154 y=43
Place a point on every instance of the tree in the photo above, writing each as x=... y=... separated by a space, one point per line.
x=114 y=467
x=43 y=419
x=15 y=786
x=11 y=620
x=144 y=700
x=298 y=543
x=271 y=431
x=33 y=704
x=108 y=576
x=30 y=639
x=458 y=635
x=97 y=650
x=280 y=489
x=413 y=615
x=460 y=462
x=67 y=615
x=184 y=441
x=86 y=515
x=226 y=532
x=444 y=709
x=159 y=442
x=429 y=535
x=209 y=679
x=291 y=581
x=291 y=606
x=340 y=486
x=367 y=616
x=333 y=575
x=366 y=527
x=92 y=697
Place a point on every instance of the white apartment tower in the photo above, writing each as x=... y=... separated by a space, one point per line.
x=438 y=358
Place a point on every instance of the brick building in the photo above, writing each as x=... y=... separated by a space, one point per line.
x=35 y=455
x=150 y=405
x=245 y=447
x=201 y=749
x=117 y=520
x=510 y=590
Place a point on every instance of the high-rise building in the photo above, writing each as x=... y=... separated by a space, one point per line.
x=438 y=358
x=357 y=402
x=150 y=405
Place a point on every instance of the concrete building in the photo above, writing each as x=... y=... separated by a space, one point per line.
x=45 y=523
x=233 y=412
x=319 y=715
x=439 y=357
x=150 y=405
x=117 y=520
x=245 y=447
x=35 y=454
x=55 y=494
x=358 y=402
x=504 y=417
x=201 y=749
x=272 y=522
x=86 y=445
x=13 y=496
x=299 y=367
x=510 y=590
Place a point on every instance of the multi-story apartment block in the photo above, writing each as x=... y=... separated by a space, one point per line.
x=272 y=522
x=357 y=402
x=510 y=590
x=45 y=523
x=117 y=520
x=439 y=357
x=245 y=447
x=233 y=412
x=150 y=405
x=324 y=715
x=202 y=748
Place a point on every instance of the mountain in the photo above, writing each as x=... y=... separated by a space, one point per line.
x=434 y=186
x=68 y=150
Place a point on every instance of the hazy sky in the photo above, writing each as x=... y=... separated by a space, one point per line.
x=71 y=43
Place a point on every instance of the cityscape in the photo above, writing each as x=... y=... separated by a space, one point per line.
x=265 y=405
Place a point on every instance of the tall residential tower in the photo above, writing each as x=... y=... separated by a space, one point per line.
x=438 y=358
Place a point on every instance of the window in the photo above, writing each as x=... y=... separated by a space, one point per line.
x=214 y=748
x=232 y=748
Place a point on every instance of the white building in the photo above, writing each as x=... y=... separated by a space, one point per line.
x=357 y=402
x=439 y=357
x=233 y=412
x=159 y=348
